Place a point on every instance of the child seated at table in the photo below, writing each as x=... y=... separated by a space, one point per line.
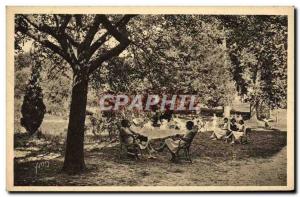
x=178 y=123
x=164 y=124
x=126 y=133
x=199 y=123
x=142 y=140
x=148 y=125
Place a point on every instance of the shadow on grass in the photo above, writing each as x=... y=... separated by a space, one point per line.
x=106 y=168
x=262 y=144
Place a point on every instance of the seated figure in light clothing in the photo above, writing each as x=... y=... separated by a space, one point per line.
x=237 y=135
x=220 y=133
x=174 y=144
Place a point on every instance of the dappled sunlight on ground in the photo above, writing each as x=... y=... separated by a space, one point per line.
x=214 y=163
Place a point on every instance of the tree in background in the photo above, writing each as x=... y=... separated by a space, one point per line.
x=175 y=54
x=22 y=74
x=258 y=51
x=57 y=84
x=189 y=49
x=33 y=108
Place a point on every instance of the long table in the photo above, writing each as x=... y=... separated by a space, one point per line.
x=156 y=133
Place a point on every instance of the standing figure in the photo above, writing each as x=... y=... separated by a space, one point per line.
x=214 y=122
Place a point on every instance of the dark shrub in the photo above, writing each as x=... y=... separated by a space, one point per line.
x=33 y=108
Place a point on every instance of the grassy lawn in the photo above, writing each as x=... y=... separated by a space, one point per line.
x=260 y=162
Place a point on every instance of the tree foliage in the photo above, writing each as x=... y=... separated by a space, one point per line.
x=258 y=51
x=175 y=54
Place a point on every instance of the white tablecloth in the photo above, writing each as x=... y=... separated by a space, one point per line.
x=156 y=133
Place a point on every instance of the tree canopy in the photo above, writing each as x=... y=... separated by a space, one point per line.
x=211 y=56
x=258 y=52
x=175 y=54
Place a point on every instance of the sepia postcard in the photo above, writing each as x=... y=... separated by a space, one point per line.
x=172 y=99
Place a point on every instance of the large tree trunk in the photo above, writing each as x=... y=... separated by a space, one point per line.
x=253 y=111
x=74 y=155
x=226 y=111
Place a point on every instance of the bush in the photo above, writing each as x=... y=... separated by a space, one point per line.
x=33 y=107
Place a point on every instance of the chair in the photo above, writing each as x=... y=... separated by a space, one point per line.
x=132 y=148
x=184 y=145
x=245 y=138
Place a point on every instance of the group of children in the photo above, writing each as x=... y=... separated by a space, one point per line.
x=232 y=130
x=129 y=136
